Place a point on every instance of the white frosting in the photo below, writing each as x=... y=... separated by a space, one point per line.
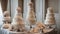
x=7 y=19
x=49 y=22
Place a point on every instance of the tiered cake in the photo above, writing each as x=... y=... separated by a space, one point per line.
x=7 y=17
x=18 y=26
x=6 y=20
x=31 y=16
x=50 y=19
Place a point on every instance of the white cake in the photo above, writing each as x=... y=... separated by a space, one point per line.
x=50 y=19
x=18 y=24
x=50 y=15
x=7 y=20
x=31 y=15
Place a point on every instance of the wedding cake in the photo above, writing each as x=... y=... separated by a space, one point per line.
x=50 y=19
x=6 y=20
x=31 y=15
x=18 y=26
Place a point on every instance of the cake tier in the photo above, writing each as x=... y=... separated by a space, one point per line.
x=32 y=21
x=49 y=22
x=50 y=18
x=50 y=10
x=19 y=10
x=50 y=14
x=18 y=18
x=18 y=28
x=6 y=26
x=8 y=19
x=6 y=13
x=19 y=14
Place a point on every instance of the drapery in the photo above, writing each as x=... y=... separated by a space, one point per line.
x=1 y=15
x=4 y=5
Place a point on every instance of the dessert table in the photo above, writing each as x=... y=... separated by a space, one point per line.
x=4 y=31
x=11 y=32
x=46 y=31
x=50 y=31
